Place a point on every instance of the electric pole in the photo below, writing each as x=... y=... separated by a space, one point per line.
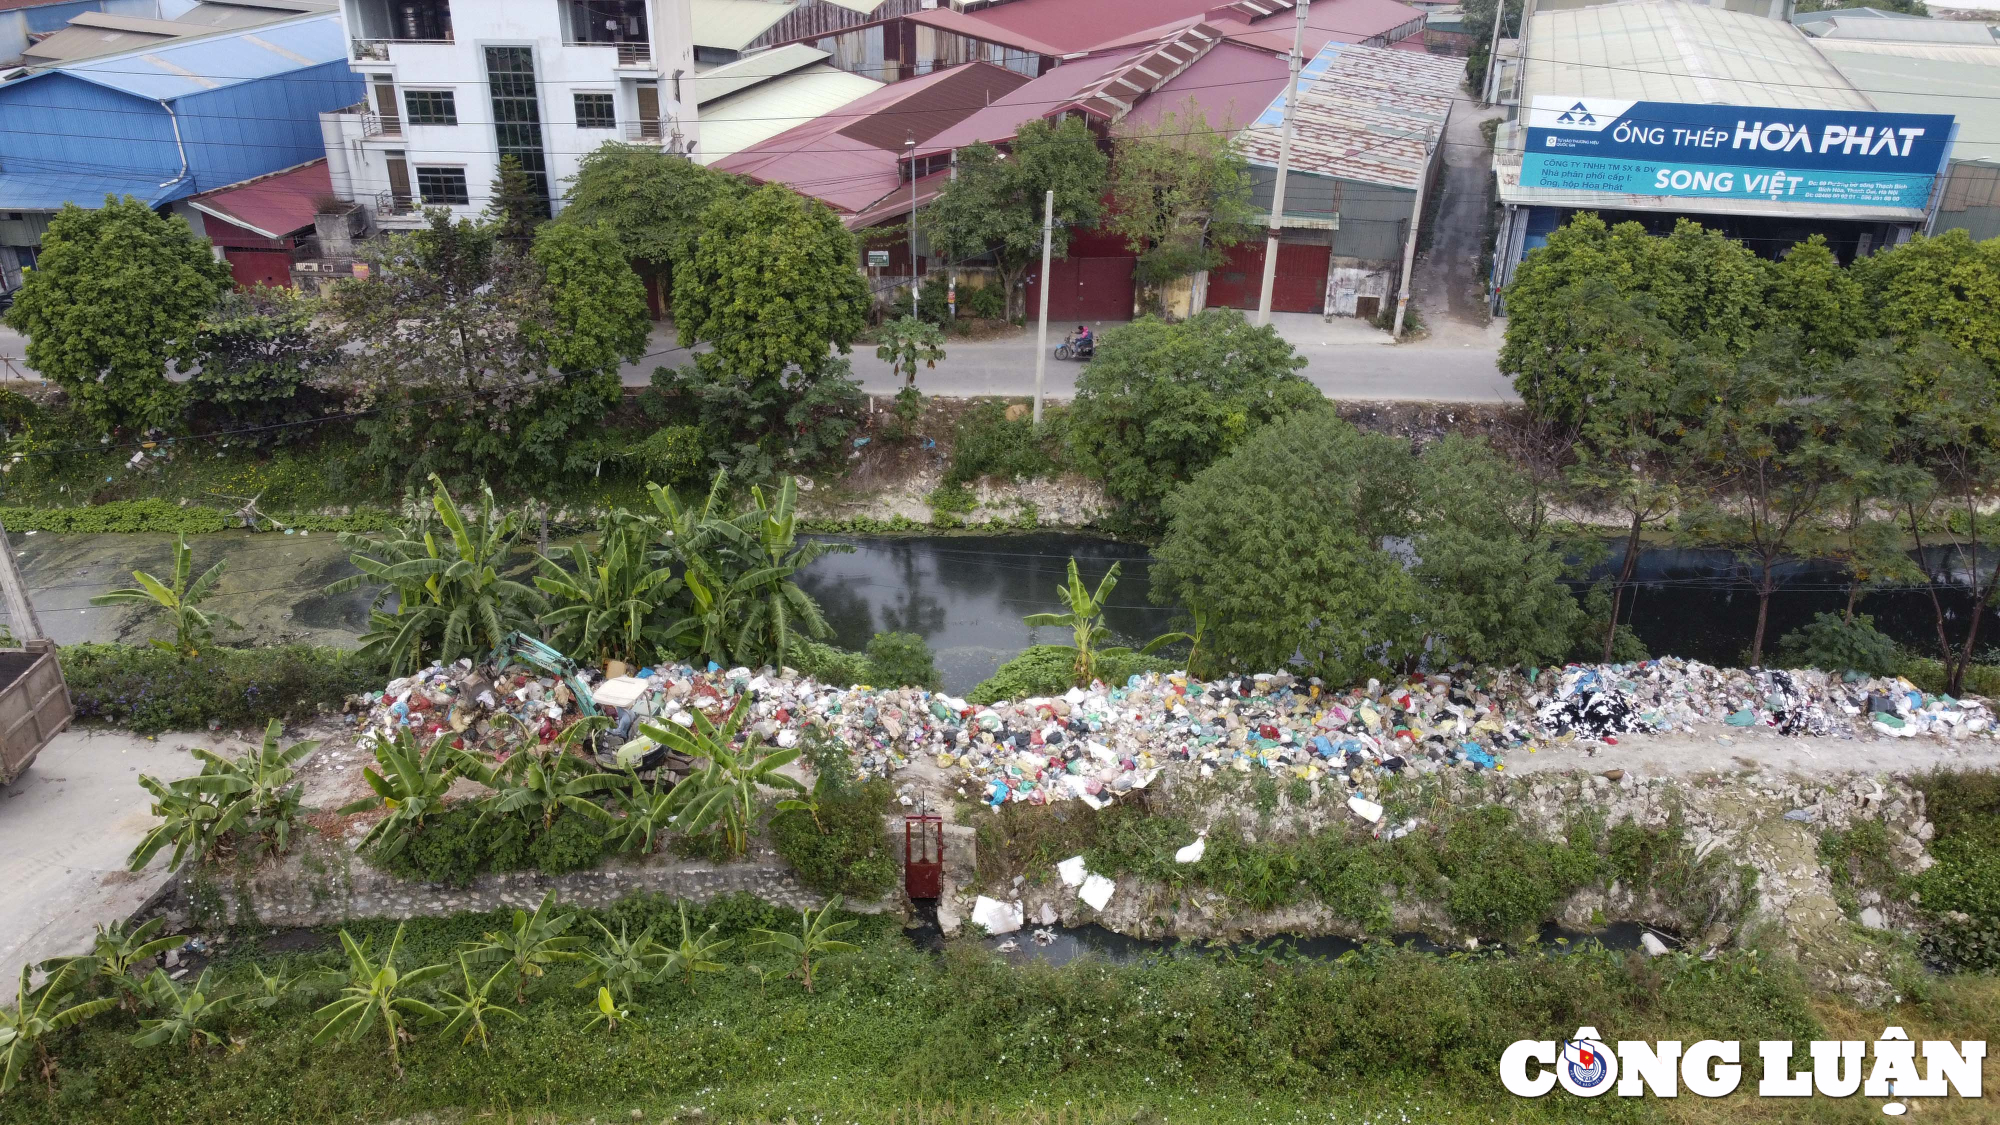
x=1042 y=341
x=1284 y=162
x=26 y=626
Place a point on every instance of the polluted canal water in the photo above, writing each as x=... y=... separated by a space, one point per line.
x=964 y=594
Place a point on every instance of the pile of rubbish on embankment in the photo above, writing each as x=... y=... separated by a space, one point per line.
x=1094 y=745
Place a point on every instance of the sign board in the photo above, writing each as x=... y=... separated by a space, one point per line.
x=878 y=259
x=1683 y=149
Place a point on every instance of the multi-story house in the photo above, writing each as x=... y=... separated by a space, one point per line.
x=456 y=85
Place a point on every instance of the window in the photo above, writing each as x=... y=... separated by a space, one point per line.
x=517 y=114
x=593 y=111
x=442 y=186
x=431 y=107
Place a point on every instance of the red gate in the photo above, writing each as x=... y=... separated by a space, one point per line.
x=1086 y=289
x=1300 y=285
x=923 y=855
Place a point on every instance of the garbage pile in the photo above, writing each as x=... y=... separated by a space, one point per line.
x=1095 y=745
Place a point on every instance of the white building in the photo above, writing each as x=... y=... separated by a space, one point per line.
x=455 y=85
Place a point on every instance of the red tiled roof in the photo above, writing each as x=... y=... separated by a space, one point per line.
x=272 y=206
x=844 y=158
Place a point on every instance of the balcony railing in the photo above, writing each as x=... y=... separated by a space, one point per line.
x=659 y=131
x=377 y=50
x=378 y=125
x=394 y=203
x=629 y=54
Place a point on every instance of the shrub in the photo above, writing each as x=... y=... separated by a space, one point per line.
x=985 y=443
x=1961 y=892
x=119 y=516
x=982 y=302
x=902 y=660
x=1051 y=669
x=150 y=690
x=830 y=665
x=845 y=849
x=454 y=846
x=672 y=455
x=1833 y=645
x=1505 y=882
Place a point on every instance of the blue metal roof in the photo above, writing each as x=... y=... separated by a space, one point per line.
x=212 y=62
x=48 y=191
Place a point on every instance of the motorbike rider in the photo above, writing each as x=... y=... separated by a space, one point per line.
x=1084 y=344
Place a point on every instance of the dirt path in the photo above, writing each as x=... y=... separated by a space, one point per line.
x=1717 y=749
x=1448 y=286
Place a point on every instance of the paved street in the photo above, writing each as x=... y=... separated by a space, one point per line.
x=66 y=826
x=1347 y=359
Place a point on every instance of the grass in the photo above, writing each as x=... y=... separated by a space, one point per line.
x=1190 y=1038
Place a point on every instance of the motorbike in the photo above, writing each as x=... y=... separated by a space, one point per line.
x=1079 y=350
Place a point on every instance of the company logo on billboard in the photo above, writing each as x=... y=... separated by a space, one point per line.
x=1578 y=114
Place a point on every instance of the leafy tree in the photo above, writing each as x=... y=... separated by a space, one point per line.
x=1180 y=195
x=514 y=206
x=450 y=598
x=1813 y=297
x=1492 y=576
x=818 y=936
x=907 y=342
x=1946 y=286
x=474 y=356
x=259 y=359
x=694 y=953
x=193 y=627
x=1697 y=284
x=1161 y=402
x=1949 y=438
x=410 y=783
x=776 y=612
x=995 y=204
x=1778 y=436
x=36 y=1015
x=465 y=1012
x=1836 y=644
x=1279 y=542
x=652 y=200
x=644 y=812
x=535 y=942
x=116 y=295
x=1478 y=22
x=186 y=1014
x=603 y=605
x=609 y=1013
x=724 y=793
x=773 y=286
x=377 y=990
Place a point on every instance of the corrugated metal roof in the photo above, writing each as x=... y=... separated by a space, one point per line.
x=272 y=206
x=731 y=25
x=1930 y=78
x=960 y=93
x=1368 y=114
x=719 y=82
x=1227 y=88
x=176 y=69
x=1669 y=51
x=48 y=191
x=750 y=117
x=1908 y=31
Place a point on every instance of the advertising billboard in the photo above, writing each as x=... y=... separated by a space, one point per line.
x=1735 y=152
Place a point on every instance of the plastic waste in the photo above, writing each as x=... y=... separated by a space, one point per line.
x=996 y=917
x=1097 y=891
x=1193 y=852
x=1072 y=871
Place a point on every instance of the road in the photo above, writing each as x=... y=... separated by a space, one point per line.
x=1347 y=359
x=66 y=826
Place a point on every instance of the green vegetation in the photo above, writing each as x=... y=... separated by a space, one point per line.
x=1840 y=646
x=1051 y=670
x=836 y=841
x=1960 y=894
x=249 y=803
x=1180 y=195
x=1161 y=402
x=144 y=689
x=193 y=628
x=106 y=327
x=985 y=443
x=1085 y=621
x=1195 y=1037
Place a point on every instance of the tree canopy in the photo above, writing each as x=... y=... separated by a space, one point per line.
x=653 y=201
x=1180 y=195
x=1161 y=402
x=995 y=202
x=118 y=293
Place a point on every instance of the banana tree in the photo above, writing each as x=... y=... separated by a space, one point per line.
x=724 y=793
x=115 y=952
x=187 y=821
x=776 y=612
x=257 y=793
x=695 y=954
x=192 y=626
x=465 y=1013
x=186 y=1014
x=621 y=962
x=411 y=784
x=535 y=786
x=1085 y=621
x=535 y=942
x=645 y=812
x=36 y=1015
x=376 y=990
x=603 y=603
x=609 y=1013
x=450 y=597
x=817 y=937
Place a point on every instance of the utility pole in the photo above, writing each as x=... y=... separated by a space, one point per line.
x=1284 y=163
x=916 y=287
x=1416 y=216
x=1488 y=91
x=26 y=626
x=1042 y=340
